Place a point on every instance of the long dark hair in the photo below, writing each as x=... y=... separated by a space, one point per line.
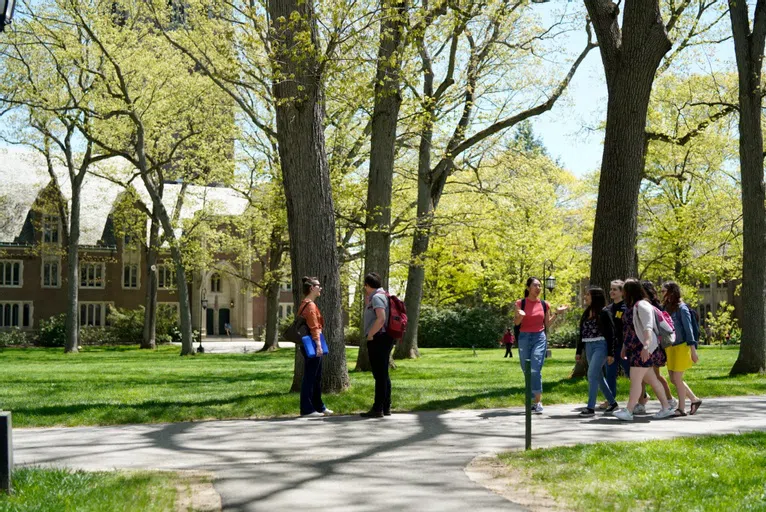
x=672 y=300
x=597 y=303
x=651 y=294
x=529 y=283
x=632 y=291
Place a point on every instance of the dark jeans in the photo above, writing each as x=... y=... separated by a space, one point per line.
x=311 y=386
x=508 y=351
x=610 y=372
x=379 y=350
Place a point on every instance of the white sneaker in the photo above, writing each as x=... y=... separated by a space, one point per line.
x=624 y=415
x=537 y=408
x=673 y=404
x=314 y=414
x=664 y=413
x=327 y=412
x=639 y=409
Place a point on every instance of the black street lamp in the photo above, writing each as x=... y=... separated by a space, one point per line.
x=6 y=12
x=203 y=303
x=549 y=282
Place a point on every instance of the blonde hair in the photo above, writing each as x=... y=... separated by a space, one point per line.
x=619 y=283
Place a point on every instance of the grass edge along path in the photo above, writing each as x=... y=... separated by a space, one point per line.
x=125 y=385
x=701 y=473
x=60 y=489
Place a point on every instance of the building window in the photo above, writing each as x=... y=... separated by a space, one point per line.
x=215 y=283
x=285 y=309
x=10 y=273
x=51 y=229
x=92 y=275
x=166 y=277
x=129 y=275
x=131 y=265
x=16 y=314
x=51 y=272
x=286 y=287
x=94 y=314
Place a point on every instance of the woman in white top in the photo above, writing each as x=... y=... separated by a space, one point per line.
x=639 y=342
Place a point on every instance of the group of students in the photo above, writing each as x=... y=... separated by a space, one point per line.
x=623 y=333
x=379 y=345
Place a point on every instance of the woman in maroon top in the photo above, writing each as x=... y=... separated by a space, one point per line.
x=508 y=342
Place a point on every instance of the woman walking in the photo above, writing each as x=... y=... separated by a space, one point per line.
x=533 y=317
x=659 y=358
x=311 y=386
x=617 y=311
x=683 y=353
x=508 y=343
x=639 y=345
x=597 y=337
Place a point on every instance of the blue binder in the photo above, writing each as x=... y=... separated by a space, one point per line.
x=309 y=348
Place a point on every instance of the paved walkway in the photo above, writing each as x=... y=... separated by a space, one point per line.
x=407 y=462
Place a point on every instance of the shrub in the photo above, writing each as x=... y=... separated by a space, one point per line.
x=127 y=325
x=52 y=332
x=565 y=336
x=13 y=338
x=460 y=327
x=564 y=333
x=97 y=336
x=352 y=336
x=723 y=325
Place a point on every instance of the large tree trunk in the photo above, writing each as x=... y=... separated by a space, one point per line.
x=305 y=173
x=385 y=117
x=150 y=313
x=749 y=48
x=630 y=59
x=73 y=266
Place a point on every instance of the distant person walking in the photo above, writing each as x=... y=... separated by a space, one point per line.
x=597 y=340
x=682 y=355
x=639 y=343
x=533 y=316
x=311 y=385
x=379 y=343
x=508 y=340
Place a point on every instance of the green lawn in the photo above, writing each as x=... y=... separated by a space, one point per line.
x=697 y=473
x=54 y=490
x=117 y=385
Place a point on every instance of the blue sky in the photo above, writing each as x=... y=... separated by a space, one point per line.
x=569 y=129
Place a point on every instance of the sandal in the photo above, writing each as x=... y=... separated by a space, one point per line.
x=695 y=406
x=678 y=413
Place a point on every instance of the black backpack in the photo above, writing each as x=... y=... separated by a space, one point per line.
x=517 y=328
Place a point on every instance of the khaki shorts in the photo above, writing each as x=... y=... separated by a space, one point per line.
x=679 y=357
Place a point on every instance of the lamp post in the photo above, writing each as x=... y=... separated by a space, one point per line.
x=6 y=12
x=203 y=305
x=549 y=282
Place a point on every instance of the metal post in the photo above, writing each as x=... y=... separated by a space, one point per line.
x=528 y=403
x=6 y=452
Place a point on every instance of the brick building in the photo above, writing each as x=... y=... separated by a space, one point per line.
x=33 y=263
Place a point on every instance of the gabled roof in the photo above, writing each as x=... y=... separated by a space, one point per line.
x=24 y=175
